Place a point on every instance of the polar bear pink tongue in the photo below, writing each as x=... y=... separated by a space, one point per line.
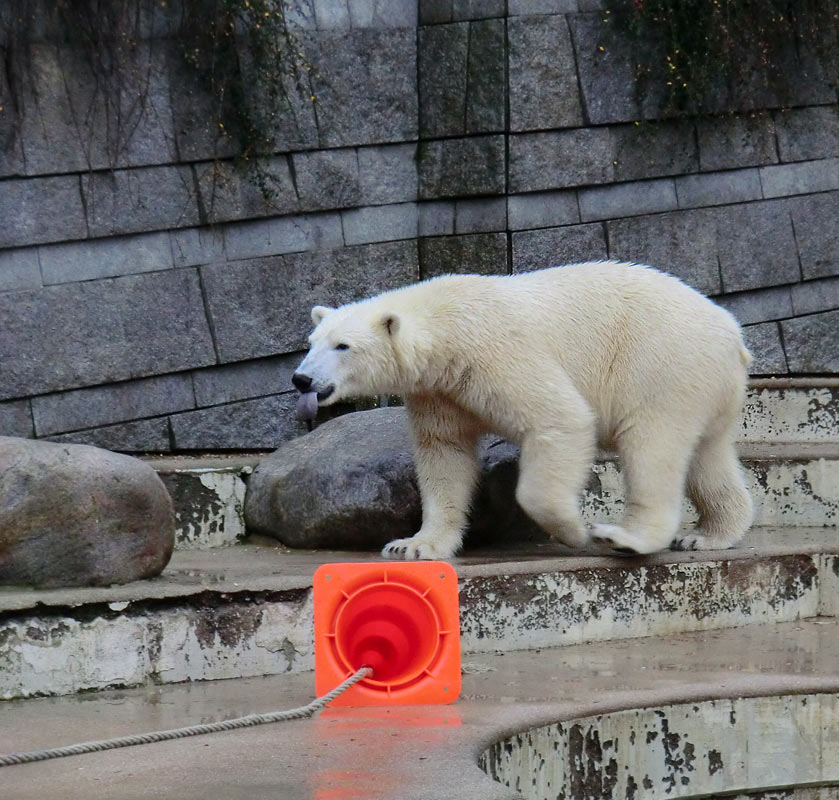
x=307 y=406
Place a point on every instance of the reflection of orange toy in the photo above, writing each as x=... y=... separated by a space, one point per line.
x=401 y=619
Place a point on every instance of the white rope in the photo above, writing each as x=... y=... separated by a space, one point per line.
x=181 y=733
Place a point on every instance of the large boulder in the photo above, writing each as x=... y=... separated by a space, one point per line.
x=73 y=515
x=350 y=484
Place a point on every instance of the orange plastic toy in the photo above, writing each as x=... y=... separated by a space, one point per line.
x=401 y=619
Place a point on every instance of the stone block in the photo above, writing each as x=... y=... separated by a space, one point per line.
x=542 y=74
x=383 y=13
x=327 y=179
x=380 y=223
x=480 y=216
x=522 y=7
x=542 y=210
x=738 y=140
x=105 y=258
x=452 y=167
x=653 y=149
x=80 y=516
x=812 y=343
x=19 y=269
x=817 y=233
x=104 y=405
x=478 y=254
x=37 y=210
x=804 y=177
x=486 y=77
x=683 y=243
x=442 y=77
x=764 y=343
x=388 y=173
x=332 y=14
x=759 y=305
x=141 y=436
x=477 y=9
x=261 y=424
x=606 y=67
x=432 y=12
x=11 y=147
x=244 y=380
x=16 y=419
x=87 y=333
x=718 y=188
x=135 y=200
x=627 y=199
x=814 y=296
x=553 y=247
x=229 y=191
x=283 y=235
x=808 y=133
x=558 y=159
x=755 y=246
x=262 y=307
x=364 y=84
x=193 y=246
x=436 y=218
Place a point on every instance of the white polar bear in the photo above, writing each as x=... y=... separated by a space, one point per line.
x=559 y=361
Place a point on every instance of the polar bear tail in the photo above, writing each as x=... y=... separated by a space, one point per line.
x=745 y=355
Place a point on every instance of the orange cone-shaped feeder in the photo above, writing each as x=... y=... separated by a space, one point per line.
x=400 y=618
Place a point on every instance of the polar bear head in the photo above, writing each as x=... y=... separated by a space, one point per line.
x=352 y=352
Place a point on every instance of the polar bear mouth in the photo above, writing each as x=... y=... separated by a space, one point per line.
x=327 y=392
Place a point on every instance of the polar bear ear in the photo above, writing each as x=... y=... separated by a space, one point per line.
x=319 y=312
x=391 y=322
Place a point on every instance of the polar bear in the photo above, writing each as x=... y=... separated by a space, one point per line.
x=560 y=361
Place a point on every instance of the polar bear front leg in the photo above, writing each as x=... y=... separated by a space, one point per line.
x=445 y=442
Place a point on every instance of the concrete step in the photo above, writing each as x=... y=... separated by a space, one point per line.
x=794 y=484
x=706 y=713
x=247 y=610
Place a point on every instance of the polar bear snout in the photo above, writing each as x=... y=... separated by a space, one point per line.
x=303 y=383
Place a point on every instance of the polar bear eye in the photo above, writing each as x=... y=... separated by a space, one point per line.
x=342 y=346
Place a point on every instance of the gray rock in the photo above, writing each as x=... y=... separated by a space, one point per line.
x=380 y=223
x=764 y=343
x=19 y=269
x=38 y=210
x=736 y=141
x=627 y=199
x=72 y=515
x=717 y=188
x=781 y=180
x=442 y=75
x=651 y=149
x=364 y=84
x=351 y=485
x=812 y=343
x=553 y=247
x=481 y=254
x=542 y=209
x=90 y=331
x=262 y=307
x=557 y=159
x=387 y=173
x=759 y=305
x=481 y=215
x=348 y=485
x=543 y=76
x=264 y=376
x=16 y=419
x=808 y=133
x=327 y=179
x=485 y=79
x=452 y=167
x=817 y=234
x=142 y=436
x=814 y=296
x=436 y=218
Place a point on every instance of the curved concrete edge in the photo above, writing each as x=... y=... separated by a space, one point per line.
x=713 y=746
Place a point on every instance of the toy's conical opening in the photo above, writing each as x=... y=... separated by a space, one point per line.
x=389 y=627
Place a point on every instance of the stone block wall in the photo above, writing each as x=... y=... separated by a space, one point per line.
x=162 y=304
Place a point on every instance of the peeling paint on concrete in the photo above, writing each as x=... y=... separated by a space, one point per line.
x=805 y=414
x=529 y=611
x=676 y=751
x=205 y=638
x=209 y=507
x=785 y=492
x=829 y=586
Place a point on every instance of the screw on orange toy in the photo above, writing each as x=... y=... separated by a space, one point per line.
x=399 y=618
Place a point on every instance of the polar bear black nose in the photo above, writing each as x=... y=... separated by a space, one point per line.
x=301 y=382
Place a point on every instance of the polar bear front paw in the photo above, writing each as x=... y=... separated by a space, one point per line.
x=698 y=541
x=620 y=540
x=419 y=548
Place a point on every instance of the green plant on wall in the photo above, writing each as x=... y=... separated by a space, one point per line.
x=240 y=56
x=699 y=56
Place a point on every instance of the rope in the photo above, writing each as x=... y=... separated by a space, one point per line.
x=181 y=733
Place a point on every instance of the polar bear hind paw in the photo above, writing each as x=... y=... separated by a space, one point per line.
x=419 y=548
x=699 y=541
x=621 y=540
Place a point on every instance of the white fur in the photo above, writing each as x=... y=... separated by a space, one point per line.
x=559 y=361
